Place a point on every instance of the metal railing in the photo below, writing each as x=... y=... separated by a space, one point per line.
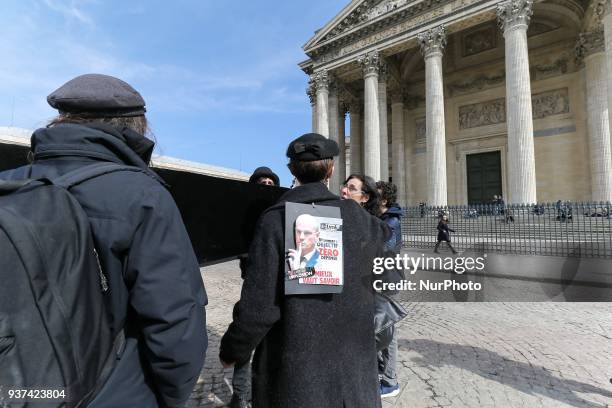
x=558 y=229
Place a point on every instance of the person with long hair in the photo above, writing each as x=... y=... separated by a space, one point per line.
x=362 y=189
x=377 y=199
x=156 y=297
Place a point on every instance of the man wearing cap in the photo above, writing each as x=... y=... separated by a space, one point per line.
x=157 y=297
x=315 y=350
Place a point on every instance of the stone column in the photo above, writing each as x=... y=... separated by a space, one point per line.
x=398 y=164
x=606 y=12
x=384 y=129
x=312 y=95
x=321 y=82
x=513 y=17
x=370 y=64
x=341 y=162
x=355 y=144
x=334 y=116
x=590 y=47
x=432 y=44
x=409 y=137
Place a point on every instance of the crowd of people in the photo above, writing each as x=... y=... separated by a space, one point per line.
x=317 y=350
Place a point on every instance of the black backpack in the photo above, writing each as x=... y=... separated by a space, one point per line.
x=56 y=344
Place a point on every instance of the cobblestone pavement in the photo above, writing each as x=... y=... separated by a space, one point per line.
x=464 y=354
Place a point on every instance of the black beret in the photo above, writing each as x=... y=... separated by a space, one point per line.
x=311 y=147
x=97 y=95
x=264 y=172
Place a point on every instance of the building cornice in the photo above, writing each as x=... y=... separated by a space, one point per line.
x=398 y=27
x=361 y=23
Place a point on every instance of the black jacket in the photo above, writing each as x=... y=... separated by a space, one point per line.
x=392 y=217
x=156 y=289
x=313 y=351
x=444 y=231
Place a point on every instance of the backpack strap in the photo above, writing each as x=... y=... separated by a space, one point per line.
x=91 y=171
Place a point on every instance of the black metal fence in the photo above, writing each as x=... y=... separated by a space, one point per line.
x=559 y=229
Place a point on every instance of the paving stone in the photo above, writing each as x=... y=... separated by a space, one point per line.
x=463 y=354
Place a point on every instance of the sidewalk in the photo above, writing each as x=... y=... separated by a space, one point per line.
x=464 y=354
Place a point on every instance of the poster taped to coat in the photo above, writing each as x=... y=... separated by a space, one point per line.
x=313 y=248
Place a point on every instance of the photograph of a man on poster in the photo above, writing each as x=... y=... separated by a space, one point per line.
x=306 y=255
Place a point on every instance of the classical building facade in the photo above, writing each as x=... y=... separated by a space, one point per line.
x=458 y=100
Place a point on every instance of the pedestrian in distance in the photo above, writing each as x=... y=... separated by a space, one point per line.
x=560 y=210
x=495 y=203
x=444 y=234
x=288 y=331
x=508 y=215
x=422 y=209
x=569 y=211
x=147 y=265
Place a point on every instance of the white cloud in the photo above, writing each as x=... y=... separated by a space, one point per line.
x=40 y=58
x=71 y=10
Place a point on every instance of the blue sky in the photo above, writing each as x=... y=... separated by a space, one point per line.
x=220 y=78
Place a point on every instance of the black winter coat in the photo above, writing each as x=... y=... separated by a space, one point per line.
x=155 y=285
x=313 y=351
x=444 y=231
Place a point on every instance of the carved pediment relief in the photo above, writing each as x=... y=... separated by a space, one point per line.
x=365 y=23
x=358 y=14
x=367 y=11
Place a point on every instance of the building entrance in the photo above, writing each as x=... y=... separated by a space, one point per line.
x=484 y=178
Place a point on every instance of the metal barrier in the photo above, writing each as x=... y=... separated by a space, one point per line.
x=559 y=229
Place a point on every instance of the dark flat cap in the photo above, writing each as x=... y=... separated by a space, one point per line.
x=311 y=147
x=97 y=95
x=264 y=172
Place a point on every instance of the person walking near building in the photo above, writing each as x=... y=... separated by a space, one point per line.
x=422 y=209
x=290 y=332
x=157 y=297
x=444 y=234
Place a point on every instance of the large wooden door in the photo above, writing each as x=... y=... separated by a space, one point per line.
x=484 y=178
